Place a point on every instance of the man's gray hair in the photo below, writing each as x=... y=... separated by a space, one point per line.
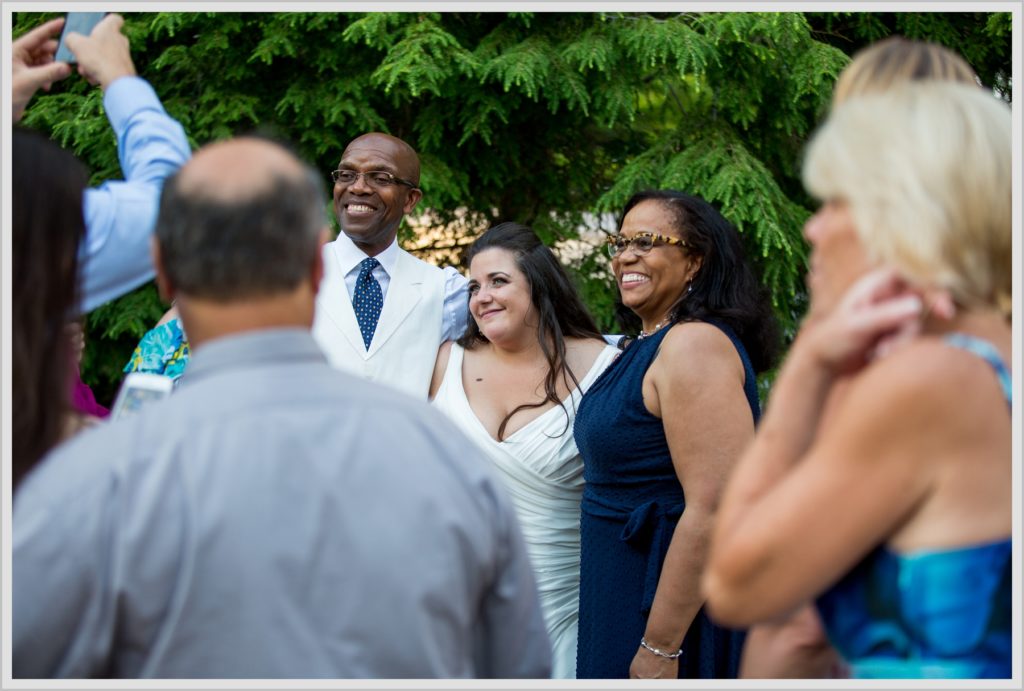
x=255 y=246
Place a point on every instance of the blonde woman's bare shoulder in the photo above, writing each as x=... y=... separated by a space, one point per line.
x=934 y=373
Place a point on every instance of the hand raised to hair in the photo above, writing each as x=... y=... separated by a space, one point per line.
x=32 y=65
x=875 y=314
x=103 y=56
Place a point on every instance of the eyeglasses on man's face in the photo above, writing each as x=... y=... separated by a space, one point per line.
x=374 y=178
x=641 y=243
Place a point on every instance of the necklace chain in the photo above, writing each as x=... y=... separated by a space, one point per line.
x=644 y=334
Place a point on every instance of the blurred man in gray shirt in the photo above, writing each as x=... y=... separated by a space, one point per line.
x=274 y=517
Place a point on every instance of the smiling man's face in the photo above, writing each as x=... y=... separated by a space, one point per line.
x=370 y=214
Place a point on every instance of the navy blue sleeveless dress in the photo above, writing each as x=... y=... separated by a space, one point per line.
x=632 y=500
x=928 y=613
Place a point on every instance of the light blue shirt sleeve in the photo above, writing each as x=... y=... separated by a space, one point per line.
x=120 y=214
x=456 y=303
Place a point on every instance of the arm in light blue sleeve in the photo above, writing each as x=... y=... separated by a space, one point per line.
x=120 y=214
x=456 y=303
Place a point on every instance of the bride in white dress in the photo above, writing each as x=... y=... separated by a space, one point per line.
x=513 y=383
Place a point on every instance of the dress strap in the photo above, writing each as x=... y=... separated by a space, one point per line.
x=987 y=352
x=455 y=355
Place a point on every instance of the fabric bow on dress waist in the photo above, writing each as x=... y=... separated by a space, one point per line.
x=649 y=526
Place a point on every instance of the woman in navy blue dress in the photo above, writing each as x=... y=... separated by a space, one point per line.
x=659 y=432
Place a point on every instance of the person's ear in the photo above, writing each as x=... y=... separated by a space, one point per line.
x=164 y=285
x=412 y=199
x=695 y=263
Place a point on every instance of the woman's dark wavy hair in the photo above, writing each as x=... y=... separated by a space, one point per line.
x=48 y=226
x=725 y=288
x=559 y=308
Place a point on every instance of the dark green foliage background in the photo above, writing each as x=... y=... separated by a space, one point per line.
x=539 y=118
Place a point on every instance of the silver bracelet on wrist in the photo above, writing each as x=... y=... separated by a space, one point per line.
x=659 y=653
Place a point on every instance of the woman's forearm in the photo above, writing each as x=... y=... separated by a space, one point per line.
x=678 y=597
x=787 y=430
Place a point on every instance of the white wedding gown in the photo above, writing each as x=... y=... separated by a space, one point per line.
x=543 y=472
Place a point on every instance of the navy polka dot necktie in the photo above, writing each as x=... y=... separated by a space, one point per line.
x=367 y=300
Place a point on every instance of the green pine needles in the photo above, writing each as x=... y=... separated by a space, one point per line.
x=548 y=119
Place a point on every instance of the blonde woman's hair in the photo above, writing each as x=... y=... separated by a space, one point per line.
x=926 y=171
x=896 y=59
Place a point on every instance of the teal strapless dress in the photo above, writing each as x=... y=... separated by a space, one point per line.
x=928 y=613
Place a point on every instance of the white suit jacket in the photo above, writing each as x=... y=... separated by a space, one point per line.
x=408 y=333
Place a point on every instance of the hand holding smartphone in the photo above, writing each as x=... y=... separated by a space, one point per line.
x=77 y=22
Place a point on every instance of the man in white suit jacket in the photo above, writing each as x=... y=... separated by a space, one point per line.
x=376 y=185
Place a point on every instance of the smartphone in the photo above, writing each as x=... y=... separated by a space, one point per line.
x=138 y=390
x=78 y=22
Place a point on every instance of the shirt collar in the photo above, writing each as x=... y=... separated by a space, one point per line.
x=260 y=347
x=349 y=255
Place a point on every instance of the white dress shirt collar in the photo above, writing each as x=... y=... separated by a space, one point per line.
x=349 y=255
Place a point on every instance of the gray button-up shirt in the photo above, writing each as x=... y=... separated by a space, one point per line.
x=272 y=518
